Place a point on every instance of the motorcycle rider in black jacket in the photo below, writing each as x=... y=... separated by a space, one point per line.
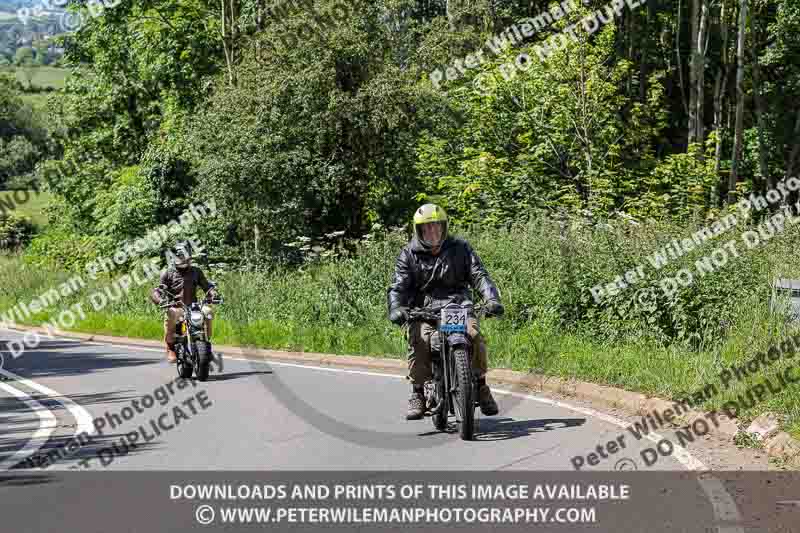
x=431 y=270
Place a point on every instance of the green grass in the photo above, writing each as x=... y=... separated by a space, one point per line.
x=6 y=15
x=339 y=308
x=33 y=208
x=668 y=372
x=37 y=101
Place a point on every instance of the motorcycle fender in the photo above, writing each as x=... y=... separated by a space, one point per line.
x=458 y=339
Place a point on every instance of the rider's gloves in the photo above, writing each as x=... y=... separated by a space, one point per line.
x=494 y=308
x=155 y=297
x=399 y=315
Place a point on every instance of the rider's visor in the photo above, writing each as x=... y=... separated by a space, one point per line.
x=432 y=233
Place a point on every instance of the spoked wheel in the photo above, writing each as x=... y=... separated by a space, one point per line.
x=463 y=395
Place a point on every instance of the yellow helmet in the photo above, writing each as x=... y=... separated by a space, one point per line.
x=427 y=219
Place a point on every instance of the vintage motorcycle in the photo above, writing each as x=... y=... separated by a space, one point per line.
x=192 y=345
x=454 y=387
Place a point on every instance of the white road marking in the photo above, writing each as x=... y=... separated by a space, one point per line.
x=81 y=415
x=681 y=454
x=47 y=422
x=724 y=506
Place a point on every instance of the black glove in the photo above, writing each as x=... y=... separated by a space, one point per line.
x=494 y=308
x=398 y=315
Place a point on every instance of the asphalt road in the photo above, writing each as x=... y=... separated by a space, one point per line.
x=274 y=416
x=107 y=408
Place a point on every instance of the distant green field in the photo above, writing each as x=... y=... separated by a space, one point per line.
x=40 y=76
x=33 y=208
x=44 y=76
x=6 y=15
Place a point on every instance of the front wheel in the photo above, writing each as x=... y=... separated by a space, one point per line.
x=439 y=417
x=464 y=394
x=203 y=360
x=185 y=368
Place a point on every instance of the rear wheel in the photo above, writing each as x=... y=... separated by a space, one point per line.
x=463 y=398
x=203 y=360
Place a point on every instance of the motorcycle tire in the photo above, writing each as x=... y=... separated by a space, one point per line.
x=203 y=360
x=185 y=368
x=439 y=418
x=463 y=398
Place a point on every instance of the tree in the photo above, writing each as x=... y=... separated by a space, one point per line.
x=735 y=176
x=24 y=56
x=720 y=85
x=229 y=24
x=23 y=142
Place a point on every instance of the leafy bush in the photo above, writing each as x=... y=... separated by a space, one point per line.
x=15 y=231
x=61 y=248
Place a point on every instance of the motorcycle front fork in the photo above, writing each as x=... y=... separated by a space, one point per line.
x=434 y=389
x=437 y=363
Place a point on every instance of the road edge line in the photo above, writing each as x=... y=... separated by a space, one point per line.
x=612 y=397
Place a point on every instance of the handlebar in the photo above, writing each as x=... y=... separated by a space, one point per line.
x=171 y=303
x=421 y=314
x=179 y=303
x=434 y=313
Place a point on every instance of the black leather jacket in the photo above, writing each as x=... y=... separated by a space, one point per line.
x=422 y=279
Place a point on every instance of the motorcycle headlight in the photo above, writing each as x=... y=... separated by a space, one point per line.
x=196 y=318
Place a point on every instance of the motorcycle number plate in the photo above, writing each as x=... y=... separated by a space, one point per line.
x=454 y=320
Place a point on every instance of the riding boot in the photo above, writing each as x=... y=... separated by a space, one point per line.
x=416 y=405
x=485 y=399
x=217 y=358
x=171 y=355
